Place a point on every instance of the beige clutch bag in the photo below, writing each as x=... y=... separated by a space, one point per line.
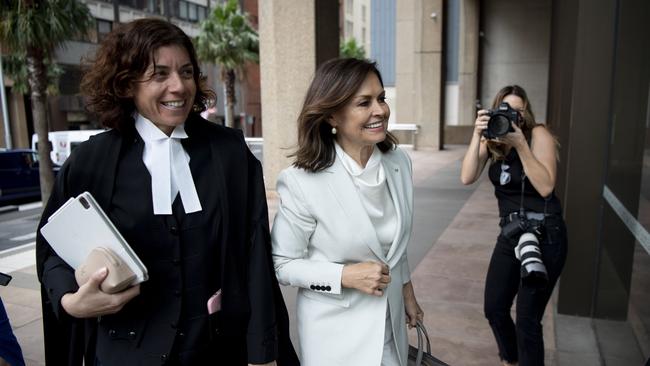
x=119 y=277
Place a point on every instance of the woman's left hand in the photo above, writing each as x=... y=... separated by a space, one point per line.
x=515 y=139
x=413 y=310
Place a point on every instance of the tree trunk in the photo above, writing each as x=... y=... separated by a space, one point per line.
x=229 y=86
x=38 y=85
x=227 y=111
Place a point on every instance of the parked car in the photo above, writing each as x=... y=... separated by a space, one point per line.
x=64 y=142
x=19 y=177
x=256 y=146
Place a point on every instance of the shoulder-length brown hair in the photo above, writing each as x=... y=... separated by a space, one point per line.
x=122 y=58
x=527 y=118
x=335 y=83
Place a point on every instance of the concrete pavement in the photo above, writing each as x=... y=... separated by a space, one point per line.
x=454 y=232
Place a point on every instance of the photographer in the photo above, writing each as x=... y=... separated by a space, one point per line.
x=531 y=248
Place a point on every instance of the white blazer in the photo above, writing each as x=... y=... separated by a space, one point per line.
x=321 y=225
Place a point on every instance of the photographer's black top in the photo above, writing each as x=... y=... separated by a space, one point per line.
x=509 y=194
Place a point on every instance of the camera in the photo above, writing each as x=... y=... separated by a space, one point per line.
x=527 y=251
x=499 y=122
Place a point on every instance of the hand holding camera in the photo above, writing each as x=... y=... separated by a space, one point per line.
x=481 y=122
x=500 y=121
x=501 y=125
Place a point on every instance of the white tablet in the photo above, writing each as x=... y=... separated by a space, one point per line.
x=79 y=226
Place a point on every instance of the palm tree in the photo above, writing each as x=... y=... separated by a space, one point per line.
x=227 y=39
x=15 y=67
x=36 y=28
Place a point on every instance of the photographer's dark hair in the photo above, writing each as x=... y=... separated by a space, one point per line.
x=527 y=124
x=122 y=58
x=334 y=84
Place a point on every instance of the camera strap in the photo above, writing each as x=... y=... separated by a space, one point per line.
x=522 y=212
x=521 y=203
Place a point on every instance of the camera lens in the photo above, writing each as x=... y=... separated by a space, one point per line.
x=498 y=125
x=533 y=270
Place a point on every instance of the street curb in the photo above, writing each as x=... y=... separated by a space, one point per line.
x=5 y=209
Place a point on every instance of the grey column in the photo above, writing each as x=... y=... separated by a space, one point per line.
x=579 y=104
x=294 y=37
x=419 y=68
x=468 y=62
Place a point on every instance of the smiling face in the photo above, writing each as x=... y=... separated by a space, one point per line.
x=362 y=122
x=165 y=93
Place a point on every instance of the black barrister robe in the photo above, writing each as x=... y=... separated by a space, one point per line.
x=253 y=323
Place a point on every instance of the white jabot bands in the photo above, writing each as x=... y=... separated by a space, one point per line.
x=169 y=166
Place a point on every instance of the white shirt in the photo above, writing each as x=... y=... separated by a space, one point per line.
x=374 y=194
x=168 y=164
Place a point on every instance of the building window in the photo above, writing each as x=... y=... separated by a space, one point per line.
x=348 y=29
x=103 y=28
x=129 y=3
x=202 y=12
x=349 y=6
x=191 y=11
x=150 y=6
x=363 y=13
x=182 y=9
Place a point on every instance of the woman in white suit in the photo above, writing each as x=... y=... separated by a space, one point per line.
x=344 y=222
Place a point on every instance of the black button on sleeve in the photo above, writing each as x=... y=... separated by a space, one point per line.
x=328 y=288
x=312 y=287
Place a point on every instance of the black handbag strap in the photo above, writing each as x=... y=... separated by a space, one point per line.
x=425 y=358
x=422 y=337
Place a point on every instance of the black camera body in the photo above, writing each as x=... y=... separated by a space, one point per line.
x=527 y=231
x=500 y=120
x=519 y=224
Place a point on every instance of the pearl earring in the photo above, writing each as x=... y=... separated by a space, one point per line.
x=333 y=130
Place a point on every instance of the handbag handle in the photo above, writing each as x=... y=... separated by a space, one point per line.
x=422 y=336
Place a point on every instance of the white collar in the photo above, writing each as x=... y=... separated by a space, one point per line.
x=150 y=132
x=168 y=164
x=372 y=174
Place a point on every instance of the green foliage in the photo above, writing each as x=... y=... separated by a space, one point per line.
x=41 y=24
x=33 y=29
x=15 y=67
x=350 y=49
x=227 y=38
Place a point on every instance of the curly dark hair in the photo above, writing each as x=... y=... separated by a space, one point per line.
x=122 y=58
x=334 y=85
